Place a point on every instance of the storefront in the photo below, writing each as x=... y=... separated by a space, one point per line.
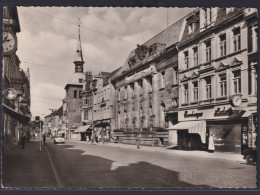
x=224 y=123
x=102 y=129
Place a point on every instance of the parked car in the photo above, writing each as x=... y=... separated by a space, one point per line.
x=59 y=140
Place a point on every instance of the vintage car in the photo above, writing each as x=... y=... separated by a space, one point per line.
x=59 y=140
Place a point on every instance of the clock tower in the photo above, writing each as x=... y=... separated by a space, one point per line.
x=79 y=57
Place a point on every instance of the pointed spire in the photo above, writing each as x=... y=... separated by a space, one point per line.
x=79 y=56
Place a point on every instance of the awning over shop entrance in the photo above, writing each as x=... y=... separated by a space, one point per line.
x=198 y=127
x=18 y=116
x=82 y=129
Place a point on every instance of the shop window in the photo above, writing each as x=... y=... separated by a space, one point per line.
x=222 y=45
x=75 y=93
x=208 y=87
x=195 y=91
x=223 y=85
x=195 y=56
x=186 y=93
x=236 y=39
x=237 y=81
x=208 y=50
x=186 y=59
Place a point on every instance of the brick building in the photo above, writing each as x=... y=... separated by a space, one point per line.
x=147 y=89
x=217 y=78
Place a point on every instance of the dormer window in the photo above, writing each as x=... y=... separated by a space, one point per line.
x=229 y=10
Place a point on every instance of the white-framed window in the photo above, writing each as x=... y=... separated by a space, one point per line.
x=208 y=87
x=195 y=56
x=186 y=59
x=195 y=91
x=236 y=39
x=162 y=79
x=185 y=93
x=208 y=50
x=175 y=75
x=222 y=45
x=237 y=81
x=223 y=85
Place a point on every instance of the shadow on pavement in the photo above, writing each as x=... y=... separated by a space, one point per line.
x=87 y=171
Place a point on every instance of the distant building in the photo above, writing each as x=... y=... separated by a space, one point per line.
x=16 y=98
x=72 y=102
x=53 y=123
x=147 y=89
x=217 y=77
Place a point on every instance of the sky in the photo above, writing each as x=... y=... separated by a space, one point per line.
x=48 y=40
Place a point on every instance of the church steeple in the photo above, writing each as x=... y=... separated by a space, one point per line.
x=79 y=57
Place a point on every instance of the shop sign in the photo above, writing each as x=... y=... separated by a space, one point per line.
x=140 y=74
x=193 y=114
x=223 y=112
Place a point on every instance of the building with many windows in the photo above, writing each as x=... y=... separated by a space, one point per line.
x=16 y=97
x=217 y=77
x=147 y=89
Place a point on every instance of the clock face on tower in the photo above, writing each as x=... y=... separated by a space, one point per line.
x=9 y=42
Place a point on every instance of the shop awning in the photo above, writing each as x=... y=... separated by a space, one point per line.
x=16 y=115
x=82 y=129
x=198 y=127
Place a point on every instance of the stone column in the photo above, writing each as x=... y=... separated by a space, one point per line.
x=129 y=107
x=136 y=104
x=156 y=99
x=254 y=38
x=145 y=103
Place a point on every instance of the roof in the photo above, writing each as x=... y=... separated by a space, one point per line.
x=59 y=111
x=74 y=80
x=168 y=36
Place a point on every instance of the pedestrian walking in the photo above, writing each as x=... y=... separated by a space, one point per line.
x=138 y=139
x=211 y=146
x=23 y=139
x=44 y=139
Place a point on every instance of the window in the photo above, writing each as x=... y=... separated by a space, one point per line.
x=186 y=93
x=195 y=91
x=237 y=81
x=80 y=80
x=223 y=85
x=186 y=59
x=208 y=87
x=75 y=93
x=222 y=43
x=195 y=56
x=229 y=10
x=208 y=50
x=163 y=79
x=236 y=39
x=191 y=27
x=80 y=94
x=125 y=93
x=118 y=95
x=175 y=75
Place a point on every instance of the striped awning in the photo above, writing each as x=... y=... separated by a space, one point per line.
x=82 y=129
x=198 y=127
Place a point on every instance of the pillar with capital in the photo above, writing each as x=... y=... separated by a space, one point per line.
x=145 y=103
x=136 y=104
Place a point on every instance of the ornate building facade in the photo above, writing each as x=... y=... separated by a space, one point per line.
x=217 y=77
x=147 y=89
x=16 y=98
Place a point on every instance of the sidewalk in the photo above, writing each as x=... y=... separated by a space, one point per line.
x=27 y=167
x=203 y=154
